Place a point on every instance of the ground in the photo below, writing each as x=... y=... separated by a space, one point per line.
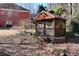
x=8 y=32
x=13 y=43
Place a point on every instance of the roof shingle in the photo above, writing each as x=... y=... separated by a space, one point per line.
x=46 y=16
x=12 y=6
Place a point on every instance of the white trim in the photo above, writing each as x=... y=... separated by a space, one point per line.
x=9 y=13
x=13 y=10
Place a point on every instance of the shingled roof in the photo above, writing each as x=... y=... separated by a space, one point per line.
x=12 y=6
x=47 y=16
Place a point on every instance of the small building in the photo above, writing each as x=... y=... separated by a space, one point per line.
x=50 y=24
x=11 y=14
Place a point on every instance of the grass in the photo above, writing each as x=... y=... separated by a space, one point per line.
x=60 y=49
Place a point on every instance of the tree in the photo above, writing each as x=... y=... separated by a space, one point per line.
x=75 y=23
x=24 y=25
x=74 y=17
x=69 y=21
x=51 y=11
x=57 y=10
x=41 y=8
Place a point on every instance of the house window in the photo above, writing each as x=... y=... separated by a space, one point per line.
x=8 y=24
x=9 y=13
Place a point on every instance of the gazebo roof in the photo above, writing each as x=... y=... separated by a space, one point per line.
x=46 y=16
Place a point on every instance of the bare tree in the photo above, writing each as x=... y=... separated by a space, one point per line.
x=24 y=24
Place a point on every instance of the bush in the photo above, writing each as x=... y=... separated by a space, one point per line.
x=69 y=34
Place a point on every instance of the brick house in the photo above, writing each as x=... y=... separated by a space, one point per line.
x=11 y=14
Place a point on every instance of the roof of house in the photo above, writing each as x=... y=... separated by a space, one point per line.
x=12 y=6
x=47 y=16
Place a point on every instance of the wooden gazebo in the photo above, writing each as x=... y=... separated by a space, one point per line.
x=50 y=23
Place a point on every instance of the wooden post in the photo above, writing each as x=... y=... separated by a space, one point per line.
x=36 y=27
x=44 y=29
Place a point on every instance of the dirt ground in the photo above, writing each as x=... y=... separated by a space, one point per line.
x=11 y=32
x=28 y=45
x=8 y=32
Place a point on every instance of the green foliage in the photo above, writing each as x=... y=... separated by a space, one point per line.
x=69 y=34
x=75 y=27
x=51 y=11
x=60 y=49
x=57 y=10
x=75 y=22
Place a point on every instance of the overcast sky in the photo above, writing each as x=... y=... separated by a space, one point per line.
x=32 y=6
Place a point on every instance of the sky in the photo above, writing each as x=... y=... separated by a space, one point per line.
x=32 y=6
